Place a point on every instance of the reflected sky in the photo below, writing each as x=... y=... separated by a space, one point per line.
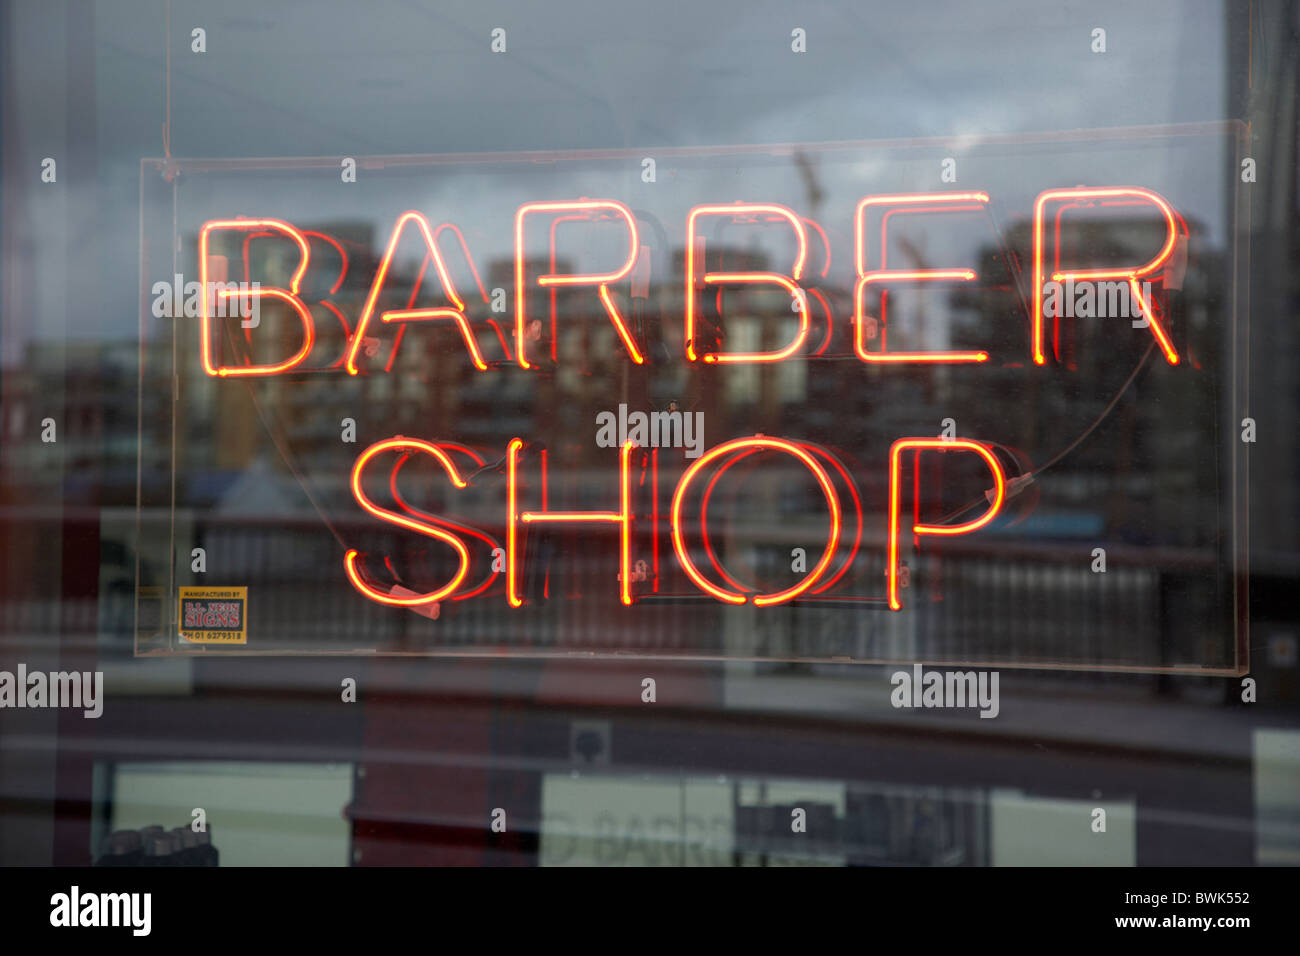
x=317 y=79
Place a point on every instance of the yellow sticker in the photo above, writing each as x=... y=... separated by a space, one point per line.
x=214 y=615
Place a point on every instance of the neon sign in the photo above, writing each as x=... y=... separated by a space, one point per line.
x=617 y=290
x=698 y=279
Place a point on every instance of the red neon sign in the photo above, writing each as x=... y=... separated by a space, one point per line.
x=447 y=523
x=912 y=202
x=393 y=517
x=679 y=536
x=456 y=313
x=698 y=481
x=721 y=457
x=895 y=468
x=746 y=452
x=698 y=278
x=1131 y=275
x=623 y=518
x=289 y=295
x=600 y=280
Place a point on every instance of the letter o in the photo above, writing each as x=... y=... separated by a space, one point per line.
x=726 y=449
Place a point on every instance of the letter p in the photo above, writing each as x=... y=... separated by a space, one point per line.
x=895 y=480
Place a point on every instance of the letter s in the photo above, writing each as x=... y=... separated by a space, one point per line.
x=393 y=517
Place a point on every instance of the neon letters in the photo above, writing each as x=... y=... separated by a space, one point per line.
x=685 y=531
x=621 y=291
x=610 y=287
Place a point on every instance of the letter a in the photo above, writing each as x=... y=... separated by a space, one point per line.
x=454 y=310
x=606 y=424
x=1248 y=690
x=59 y=915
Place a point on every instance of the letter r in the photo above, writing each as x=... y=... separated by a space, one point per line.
x=1117 y=196
x=582 y=208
